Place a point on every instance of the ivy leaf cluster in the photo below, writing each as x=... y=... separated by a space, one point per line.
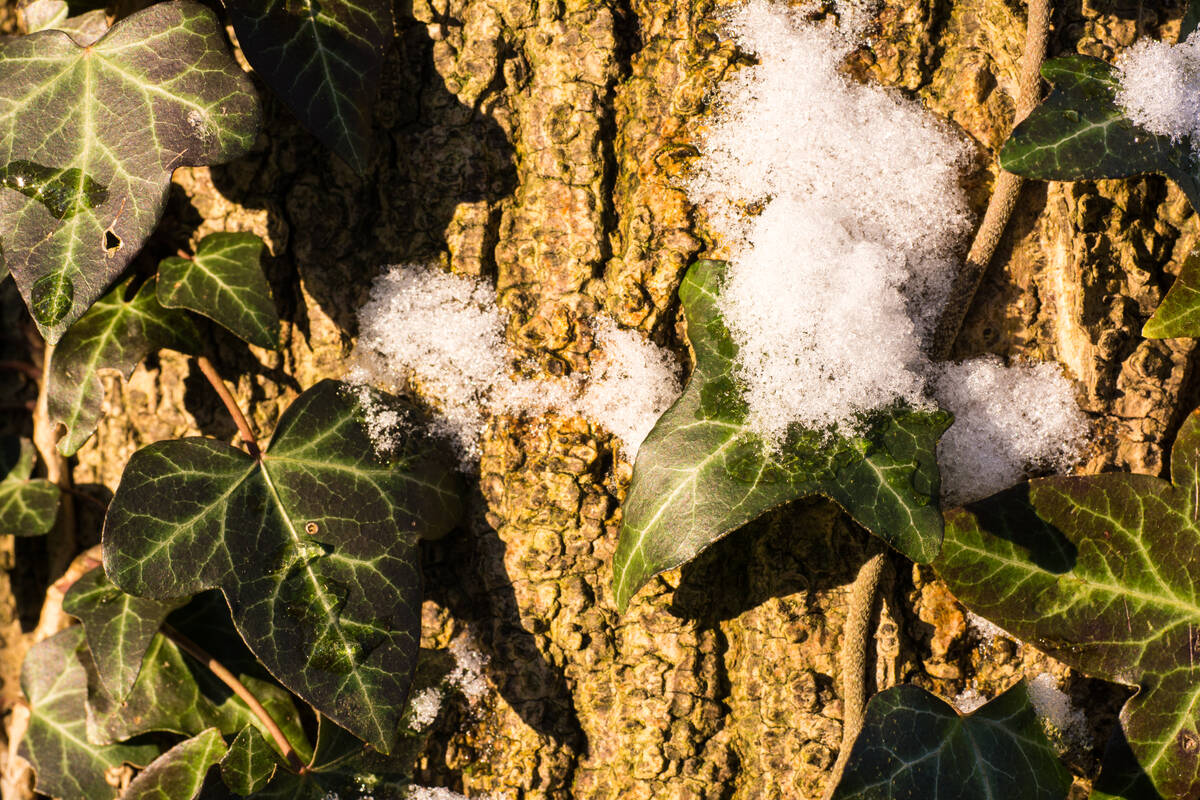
x=28 y=505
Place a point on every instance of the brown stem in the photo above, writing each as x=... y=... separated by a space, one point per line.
x=1004 y=196
x=60 y=544
x=855 y=636
x=231 y=405
x=184 y=254
x=239 y=688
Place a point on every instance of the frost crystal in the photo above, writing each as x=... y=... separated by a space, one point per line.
x=1160 y=86
x=425 y=706
x=444 y=335
x=969 y=700
x=467 y=675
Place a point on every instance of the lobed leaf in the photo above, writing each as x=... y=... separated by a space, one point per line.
x=178 y=774
x=224 y=282
x=55 y=743
x=78 y=193
x=324 y=59
x=250 y=763
x=914 y=744
x=701 y=473
x=1099 y=572
x=115 y=334
x=118 y=626
x=28 y=505
x=314 y=546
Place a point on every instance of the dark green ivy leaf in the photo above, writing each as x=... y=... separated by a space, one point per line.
x=115 y=334
x=178 y=773
x=250 y=763
x=118 y=627
x=914 y=744
x=56 y=742
x=314 y=546
x=1121 y=777
x=28 y=506
x=225 y=283
x=324 y=59
x=78 y=193
x=1079 y=133
x=701 y=473
x=85 y=29
x=1190 y=21
x=1099 y=572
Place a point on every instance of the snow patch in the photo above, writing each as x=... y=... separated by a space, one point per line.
x=424 y=707
x=1160 y=87
x=1055 y=708
x=1008 y=422
x=968 y=700
x=468 y=673
x=443 y=335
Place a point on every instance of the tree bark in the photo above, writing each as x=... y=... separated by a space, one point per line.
x=542 y=145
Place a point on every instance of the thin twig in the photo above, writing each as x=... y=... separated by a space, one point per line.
x=1004 y=196
x=239 y=688
x=855 y=636
x=231 y=405
x=60 y=544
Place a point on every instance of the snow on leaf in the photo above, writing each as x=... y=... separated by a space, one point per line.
x=1098 y=572
x=225 y=283
x=79 y=194
x=324 y=59
x=67 y=766
x=314 y=546
x=28 y=505
x=915 y=745
x=115 y=334
x=702 y=473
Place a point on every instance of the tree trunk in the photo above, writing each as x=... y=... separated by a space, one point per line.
x=542 y=145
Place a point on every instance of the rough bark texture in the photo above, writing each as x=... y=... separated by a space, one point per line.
x=541 y=144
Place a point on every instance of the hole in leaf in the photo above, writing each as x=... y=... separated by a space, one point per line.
x=112 y=242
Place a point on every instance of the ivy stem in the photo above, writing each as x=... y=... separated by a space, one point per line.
x=231 y=405
x=239 y=688
x=855 y=636
x=1004 y=196
x=60 y=545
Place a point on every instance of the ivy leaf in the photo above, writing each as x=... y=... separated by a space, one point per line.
x=1099 y=572
x=314 y=546
x=1179 y=313
x=225 y=283
x=178 y=773
x=78 y=193
x=250 y=763
x=28 y=506
x=115 y=334
x=914 y=744
x=118 y=628
x=1080 y=133
x=1190 y=21
x=56 y=743
x=701 y=473
x=85 y=28
x=1121 y=777
x=324 y=59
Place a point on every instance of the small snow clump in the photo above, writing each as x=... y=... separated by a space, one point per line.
x=1008 y=421
x=467 y=675
x=443 y=335
x=968 y=700
x=1160 y=87
x=424 y=706
x=1055 y=708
